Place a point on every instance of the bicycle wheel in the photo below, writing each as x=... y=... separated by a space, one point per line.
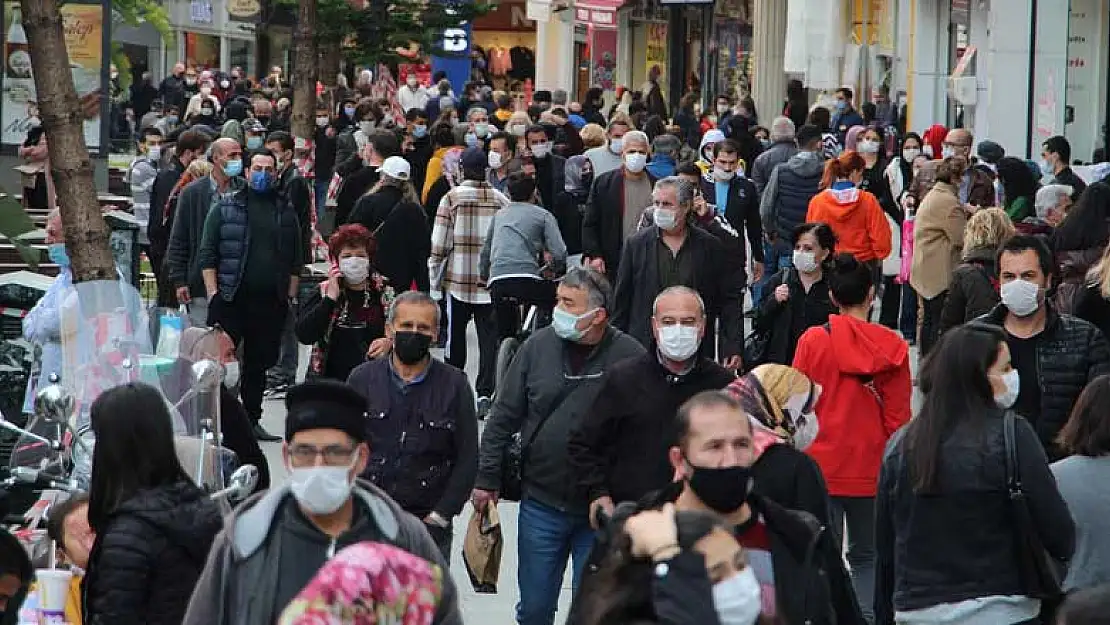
x=505 y=355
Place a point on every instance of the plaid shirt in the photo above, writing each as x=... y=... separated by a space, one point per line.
x=462 y=222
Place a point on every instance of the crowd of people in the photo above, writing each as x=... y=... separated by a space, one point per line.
x=696 y=460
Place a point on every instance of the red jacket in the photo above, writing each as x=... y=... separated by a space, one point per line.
x=864 y=373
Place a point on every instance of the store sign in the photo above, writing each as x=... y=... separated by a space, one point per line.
x=244 y=10
x=200 y=11
x=598 y=18
x=455 y=42
x=539 y=10
x=507 y=16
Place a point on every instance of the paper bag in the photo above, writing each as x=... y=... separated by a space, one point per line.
x=482 y=549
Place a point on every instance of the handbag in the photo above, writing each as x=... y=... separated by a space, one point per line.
x=513 y=458
x=1040 y=576
x=758 y=340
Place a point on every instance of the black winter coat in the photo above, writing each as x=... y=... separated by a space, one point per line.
x=972 y=291
x=785 y=322
x=148 y=557
x=958 y=544
x=602 y=225
x=1070 y=353
x=404 y=241
x=742 y=213
x=1092 y=307
x=355 y=185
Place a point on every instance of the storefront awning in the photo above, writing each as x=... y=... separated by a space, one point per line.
x=597 y=13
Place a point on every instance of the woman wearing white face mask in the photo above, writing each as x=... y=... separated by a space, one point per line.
x=945 y=524
x=671 y=568
x=344 y=320
x=780 y=403
x=799 y=301
x=214 y=344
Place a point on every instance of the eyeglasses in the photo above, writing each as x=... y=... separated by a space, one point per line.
x=333 y=455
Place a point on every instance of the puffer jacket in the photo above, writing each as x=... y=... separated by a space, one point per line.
x=785 y=200
x=973 y=290
x=148 y=557
x=765 y=163
x=1070 y=353
x=958 y=543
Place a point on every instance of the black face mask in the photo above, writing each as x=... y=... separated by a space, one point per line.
x=724 y=490
x=411 y=347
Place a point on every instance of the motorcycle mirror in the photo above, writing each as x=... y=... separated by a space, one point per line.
x=54 y=402
x=208 y=374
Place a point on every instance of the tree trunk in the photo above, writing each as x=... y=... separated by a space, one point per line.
x=304 y=72
x=62 y=116
x=330 y=55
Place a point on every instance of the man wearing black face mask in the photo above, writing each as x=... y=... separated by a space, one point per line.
x=801 y=574
x=421 y=418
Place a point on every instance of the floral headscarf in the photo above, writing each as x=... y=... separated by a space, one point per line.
x=369 y=584
x=452 y=166
x=764 y=393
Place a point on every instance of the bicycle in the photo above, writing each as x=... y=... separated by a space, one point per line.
x=509 y=346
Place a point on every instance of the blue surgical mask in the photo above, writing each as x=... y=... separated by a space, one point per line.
x=253 y=143
x=233 y=168
x=841 y=105
x=419 y=132
x=565 y=324
x=471 y=140
x=349 y=111
x=58 y=255
x=260 y=181
x=171 y=119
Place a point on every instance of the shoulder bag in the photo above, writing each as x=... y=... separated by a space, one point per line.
x=758 y=340
x=1040 y=576
x=515 y=454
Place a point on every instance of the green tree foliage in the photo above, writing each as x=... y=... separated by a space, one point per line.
x=374 y=34
x=135 y=12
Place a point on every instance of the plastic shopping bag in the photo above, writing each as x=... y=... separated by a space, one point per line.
x=907 y=251
x=482 y=549
x=170 y=326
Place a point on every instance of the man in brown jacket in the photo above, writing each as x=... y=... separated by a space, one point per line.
x=975 y=188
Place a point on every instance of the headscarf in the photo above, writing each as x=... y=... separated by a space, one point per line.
x=573 y=178
x=452 y=166
x=934 y=138
x=232 y=129
x=368 y=584
x=851 y=138
x=764 y=392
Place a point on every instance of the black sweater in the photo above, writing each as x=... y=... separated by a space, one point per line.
x=404 y=241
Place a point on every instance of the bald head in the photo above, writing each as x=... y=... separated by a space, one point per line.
x=221 y=146
x=960 y=141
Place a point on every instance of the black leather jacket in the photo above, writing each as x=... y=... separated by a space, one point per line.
x=958 y=544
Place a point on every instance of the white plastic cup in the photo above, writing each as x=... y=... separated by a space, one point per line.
x=53 y=591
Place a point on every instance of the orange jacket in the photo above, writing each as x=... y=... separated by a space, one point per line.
x=856 y=219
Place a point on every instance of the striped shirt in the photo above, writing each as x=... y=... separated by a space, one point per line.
x=462 y=222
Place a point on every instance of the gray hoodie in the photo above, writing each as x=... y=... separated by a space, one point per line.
x=268 y=551
x=517 y=238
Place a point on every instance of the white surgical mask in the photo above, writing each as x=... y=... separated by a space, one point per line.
x=805 y=262
x=366 y=126
x=321 y=121
x=1021 y=297
x=868 y=147
x=321 y=489
x=635 y=162
x=947 y=152
x=927 y=150
x=518 y=130
x=1013 y=386
x=738 y=599
x=909 y=154
x=541 y=150
x=722 y=175
x=355 y=268
x=665 y=218
x=231 y=374
x=722 y=109
x=154 y=152
x=494 y=160
x=616 y=145
x=678 y=342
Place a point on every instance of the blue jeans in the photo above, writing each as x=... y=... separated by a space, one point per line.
x=907 y=322
x=546 y=537
x=321 y=188
x=775 y=257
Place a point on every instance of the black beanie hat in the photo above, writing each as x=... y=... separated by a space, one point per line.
x=325 y=404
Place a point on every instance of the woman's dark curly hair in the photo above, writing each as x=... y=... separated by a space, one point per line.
x=352 y=235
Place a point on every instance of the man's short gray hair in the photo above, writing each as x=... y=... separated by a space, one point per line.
x=666 y=144
x=417 y=298
x=683 y=189
x=1049 y=196
x=636 y=135
x=677 y=290
x=474 y=110
x=559 y=97
x=782 y=129
x=598 y=291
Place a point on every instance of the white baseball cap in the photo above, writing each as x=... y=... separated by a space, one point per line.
x=396 y=167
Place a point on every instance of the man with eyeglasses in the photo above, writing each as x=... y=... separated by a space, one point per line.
x=276 y=541
x=551 y=383
x=976 y=189
x=422 y=418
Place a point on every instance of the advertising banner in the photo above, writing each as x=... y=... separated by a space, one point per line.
x=84 y=34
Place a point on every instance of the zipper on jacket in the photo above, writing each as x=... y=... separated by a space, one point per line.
x=810 y=550
x=331 y=549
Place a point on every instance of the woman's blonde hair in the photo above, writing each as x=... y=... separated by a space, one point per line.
x=988 y=227
x=593 y=136
x=1099 y=275
x=408 y=193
